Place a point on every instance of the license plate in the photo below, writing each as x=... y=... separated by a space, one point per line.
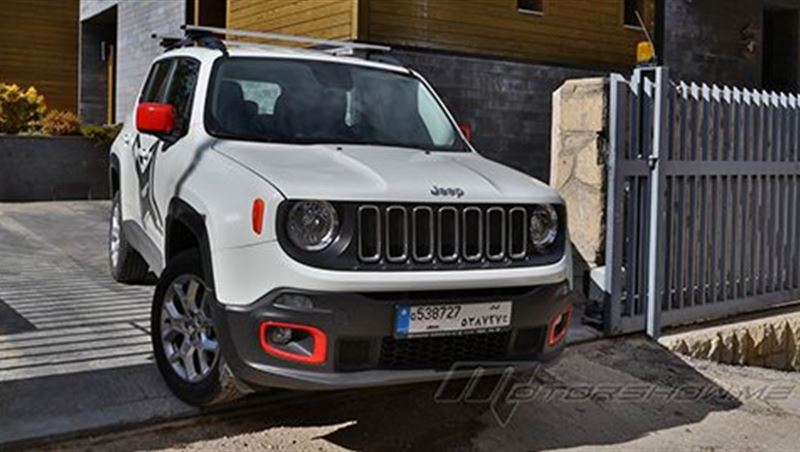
x=447 y=319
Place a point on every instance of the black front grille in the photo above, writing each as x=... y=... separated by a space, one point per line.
x=423 y=234
x=442 y=352
x=446 y=236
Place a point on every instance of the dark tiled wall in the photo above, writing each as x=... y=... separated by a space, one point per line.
x=508 y=104
x=706 y=41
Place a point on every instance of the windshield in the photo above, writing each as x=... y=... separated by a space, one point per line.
x=312 y=102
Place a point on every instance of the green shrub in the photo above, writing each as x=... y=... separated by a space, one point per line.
x=57 y=122
x=20 y=109
x=101 y=135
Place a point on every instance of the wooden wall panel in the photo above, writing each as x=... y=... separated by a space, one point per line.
x=581 y=33
x=329 y=19
x=40 y=48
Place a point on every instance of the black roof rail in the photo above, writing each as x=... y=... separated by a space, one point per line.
x=193 y=38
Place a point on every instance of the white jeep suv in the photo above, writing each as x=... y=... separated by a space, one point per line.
x=320 y=222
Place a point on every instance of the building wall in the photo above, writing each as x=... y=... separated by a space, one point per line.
x=580 y=33
x=41 y=49
x=330 y=19
x=90 y=8
x=707 y=41
x=507 y=104
x=137 y=21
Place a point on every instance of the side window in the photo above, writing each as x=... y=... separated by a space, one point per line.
x=156 y=84
x=181 y=92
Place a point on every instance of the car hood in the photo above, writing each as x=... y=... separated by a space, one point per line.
x=378 y=173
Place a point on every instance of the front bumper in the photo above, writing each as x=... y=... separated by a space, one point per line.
x=239 y=276
x=361 y=348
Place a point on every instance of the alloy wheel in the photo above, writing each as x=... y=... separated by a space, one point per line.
x=187 y=332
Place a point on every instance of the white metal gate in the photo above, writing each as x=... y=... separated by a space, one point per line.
x=703 y=202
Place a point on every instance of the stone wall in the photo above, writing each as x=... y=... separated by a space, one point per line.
x=579 y=141
x=772 y=342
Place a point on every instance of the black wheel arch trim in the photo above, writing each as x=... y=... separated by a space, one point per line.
x=113 y=166
x=180 y=211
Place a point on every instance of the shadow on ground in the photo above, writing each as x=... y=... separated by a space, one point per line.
x=602 y=393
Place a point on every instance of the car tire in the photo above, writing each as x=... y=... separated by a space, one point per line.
x=126 y=264
x=183 y=336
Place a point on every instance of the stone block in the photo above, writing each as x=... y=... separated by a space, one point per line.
x=589 y=167
x=768 y=342
x=577 y=162
x=583 y=105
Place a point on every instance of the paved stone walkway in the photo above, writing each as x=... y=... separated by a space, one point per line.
x=74 y=345
x=67 y=314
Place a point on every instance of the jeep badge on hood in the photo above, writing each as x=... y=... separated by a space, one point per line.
x=447 y=191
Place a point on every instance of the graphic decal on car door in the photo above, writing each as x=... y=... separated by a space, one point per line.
x=145 y=158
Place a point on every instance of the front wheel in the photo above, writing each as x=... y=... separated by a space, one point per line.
x=184 y=336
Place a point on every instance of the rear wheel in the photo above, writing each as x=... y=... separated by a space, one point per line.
x=184 y=336
x=126 y=264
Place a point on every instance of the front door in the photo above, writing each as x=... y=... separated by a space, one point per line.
x=144 y=148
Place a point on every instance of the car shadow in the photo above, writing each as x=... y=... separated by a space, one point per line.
x=601 y=393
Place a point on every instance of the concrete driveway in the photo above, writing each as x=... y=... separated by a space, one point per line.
x=74 y=345
x=628 y=394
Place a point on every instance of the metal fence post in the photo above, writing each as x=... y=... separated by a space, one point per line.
x=655 y=256
x=614 y=202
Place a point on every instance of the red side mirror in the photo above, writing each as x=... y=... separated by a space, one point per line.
x=158 y=119
x=466 y=130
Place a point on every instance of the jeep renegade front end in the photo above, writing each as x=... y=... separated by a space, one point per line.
x=321 y=222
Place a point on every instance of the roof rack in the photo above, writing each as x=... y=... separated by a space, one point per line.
x=331 y=46
x=207 y=40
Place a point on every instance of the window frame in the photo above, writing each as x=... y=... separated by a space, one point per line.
x=530 y=12
x=637 y=26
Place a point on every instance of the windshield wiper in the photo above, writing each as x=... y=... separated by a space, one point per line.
x=418 y=147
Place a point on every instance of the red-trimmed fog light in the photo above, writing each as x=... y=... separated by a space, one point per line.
x=293 y=342
x=280 y=335
x=559 y=326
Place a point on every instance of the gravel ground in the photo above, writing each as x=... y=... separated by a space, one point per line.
x=626 y=394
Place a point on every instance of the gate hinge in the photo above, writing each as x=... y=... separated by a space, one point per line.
x=651 y=161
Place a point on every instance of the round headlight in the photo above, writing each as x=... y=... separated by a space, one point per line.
x=543 y=226
x=312 y=225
